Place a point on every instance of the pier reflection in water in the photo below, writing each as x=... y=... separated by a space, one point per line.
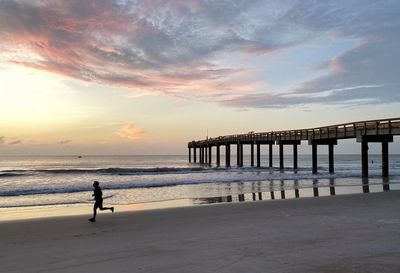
x=365 y=185
x=283 y=196
x=290 y=189
x=332 y=186
x=296 y=188
x=315 y=188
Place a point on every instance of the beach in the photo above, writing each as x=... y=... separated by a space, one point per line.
x=199 y=136
x=348 y=233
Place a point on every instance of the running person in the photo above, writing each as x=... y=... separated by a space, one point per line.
x=98 y=197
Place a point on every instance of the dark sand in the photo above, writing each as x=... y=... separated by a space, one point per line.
x=350 y=233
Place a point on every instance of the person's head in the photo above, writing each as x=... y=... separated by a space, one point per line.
x=95 y=183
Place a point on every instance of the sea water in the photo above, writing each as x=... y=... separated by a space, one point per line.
x=58 y=180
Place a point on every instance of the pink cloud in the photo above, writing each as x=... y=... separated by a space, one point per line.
x=104 y=42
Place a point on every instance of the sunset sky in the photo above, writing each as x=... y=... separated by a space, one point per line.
x=146 y=77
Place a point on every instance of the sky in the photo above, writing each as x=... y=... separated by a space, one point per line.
x=148 y=76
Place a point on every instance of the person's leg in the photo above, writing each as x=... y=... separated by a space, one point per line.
x=93 y=219
x=107 y=208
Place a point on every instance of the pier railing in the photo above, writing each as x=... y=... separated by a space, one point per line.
x=339 y=131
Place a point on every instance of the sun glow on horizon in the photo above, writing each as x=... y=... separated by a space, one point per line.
x=35 y=97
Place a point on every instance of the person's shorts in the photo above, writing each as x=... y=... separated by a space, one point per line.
x=98 y=204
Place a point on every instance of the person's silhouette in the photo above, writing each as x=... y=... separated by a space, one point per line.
x=98 y=197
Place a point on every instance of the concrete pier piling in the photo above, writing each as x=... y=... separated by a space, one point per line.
x=227 y=155
x=258 y=155
x=270 y=155
x=237 y=155
x=252 y=154
x=209 y=155
x=241 y=155
x=331 y=158
x=218 y=155
x=295 y=156
x=385 y=158
x=314 y=157
x=364 y=158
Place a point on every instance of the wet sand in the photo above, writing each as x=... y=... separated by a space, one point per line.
x=349 y=233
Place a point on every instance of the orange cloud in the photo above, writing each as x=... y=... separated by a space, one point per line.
x=129 y=131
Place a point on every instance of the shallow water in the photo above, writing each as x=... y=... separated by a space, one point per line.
x=46 y=180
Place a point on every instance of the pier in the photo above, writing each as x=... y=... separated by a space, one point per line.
x=364 y=132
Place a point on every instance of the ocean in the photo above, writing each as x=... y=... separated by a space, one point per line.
x=27 y=181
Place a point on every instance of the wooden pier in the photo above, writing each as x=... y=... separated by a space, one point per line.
x=381 y=131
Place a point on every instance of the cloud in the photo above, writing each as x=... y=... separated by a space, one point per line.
x=15 y=142
x=129 y=131
x=184 y=48
x=154 y=46
x=9 y=142
x=365 y=74
x=357 y=95
x=64 y=142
